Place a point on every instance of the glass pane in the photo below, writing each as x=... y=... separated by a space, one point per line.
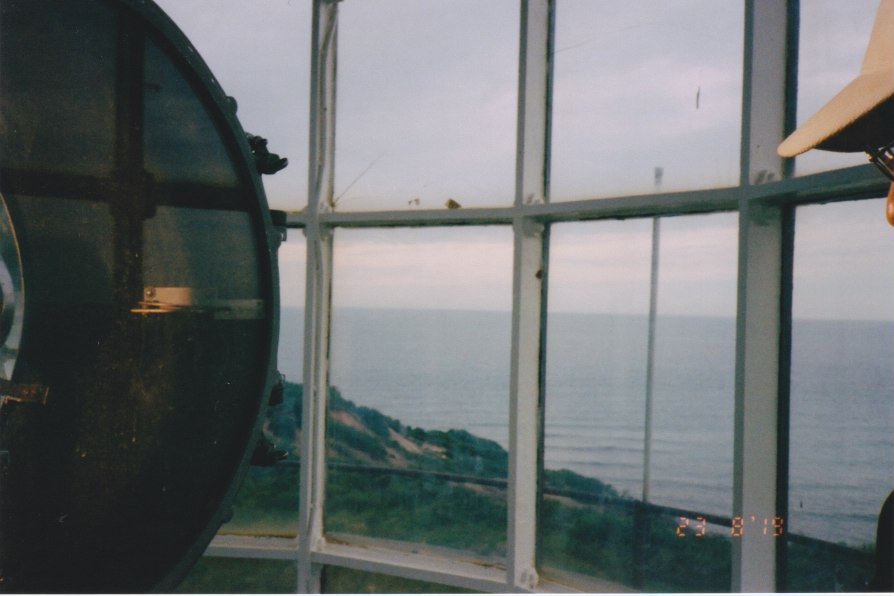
x=833 y=37
x=46 y=121
x=426 y=103
x=418 y=410
x=219 y=575
x=692 y=440
x=842 y=415
x=267 y=502
x=179 y=151
x=595 y=388
x=260 y=55
x=292 y=277
x=603 y=516
x=693 y=395
x=341 y=580
x=646 y=85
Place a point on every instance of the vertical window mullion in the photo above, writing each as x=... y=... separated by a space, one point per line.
x=760 y=317
x=529 y=261
x=318 y=293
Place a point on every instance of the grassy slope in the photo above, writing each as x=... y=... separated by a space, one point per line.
x=367 y=498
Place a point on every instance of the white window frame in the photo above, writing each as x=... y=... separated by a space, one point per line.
x=763 y=313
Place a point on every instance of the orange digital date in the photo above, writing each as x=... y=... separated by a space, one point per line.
x=769 y=526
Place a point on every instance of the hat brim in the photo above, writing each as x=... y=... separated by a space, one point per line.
x=833 y=126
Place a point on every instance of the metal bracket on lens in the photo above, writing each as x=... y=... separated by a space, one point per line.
x=164 y=300
x=25 y=393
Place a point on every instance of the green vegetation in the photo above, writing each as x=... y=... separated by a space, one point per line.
x=447 y=489
x=822 y=567
x=417 y=509
x=339 y=580
x=217 y=575
x=267 y=503
x=626 y=546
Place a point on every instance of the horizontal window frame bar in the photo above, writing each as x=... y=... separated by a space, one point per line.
x=854 y=183
x=344 y=551
x=253 y=547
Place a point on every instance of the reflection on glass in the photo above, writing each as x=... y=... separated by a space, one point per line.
x=12 y=303
x=606 y=524
x=426 y=103
x=832 y=39
x=260 y=55
x=418 y=410
x=640 y=85
x=842 y=416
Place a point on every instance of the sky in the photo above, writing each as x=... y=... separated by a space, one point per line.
x=426 y=113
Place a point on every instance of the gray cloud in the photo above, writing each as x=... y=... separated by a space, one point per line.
x=427 y=110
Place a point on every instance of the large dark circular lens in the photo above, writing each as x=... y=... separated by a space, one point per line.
x=149 y=313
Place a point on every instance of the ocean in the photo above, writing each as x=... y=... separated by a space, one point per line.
x=450 y=370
